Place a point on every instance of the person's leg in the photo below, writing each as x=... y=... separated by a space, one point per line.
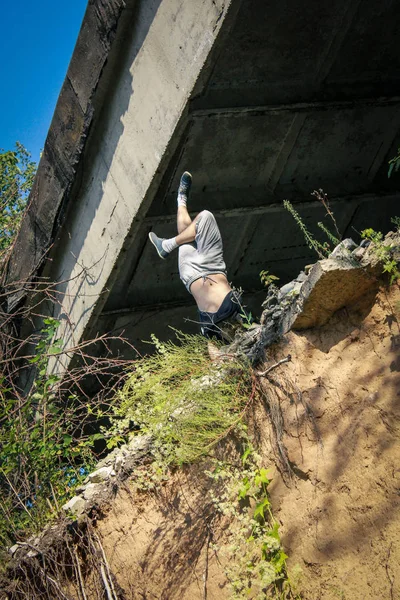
x=185 y=226
x=186 y=229
x=165 y=246
x=188 y=234
x=183 y=219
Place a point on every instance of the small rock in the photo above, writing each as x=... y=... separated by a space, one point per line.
x=308 y=268
x=102 y=474
x=293 y=287
x=119 y=463
x=269 y=302
x=365 y=243
x=93 y=491
x=301 y=277
x=76 y=506
x=285 y=289
x=266 y=315
x=344 y=249
x=139 y=443
x=108 y=461
x=13 y=549
x=359 y=252
x=35 y=540
x=123 y=450
x=277 y=315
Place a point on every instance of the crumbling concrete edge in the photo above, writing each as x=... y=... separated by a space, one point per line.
x=319 y=291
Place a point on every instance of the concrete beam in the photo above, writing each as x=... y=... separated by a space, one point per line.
x=296 y=107
x=278 y=207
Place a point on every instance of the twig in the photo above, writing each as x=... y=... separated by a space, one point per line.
x=55 y=584
x=109 y=593
x=55 y=498
x=205 y=576
x=78 y=568
x=106 y=577
x=16 y=495
x=391 y=581
x=28 y=545
x=280 y=362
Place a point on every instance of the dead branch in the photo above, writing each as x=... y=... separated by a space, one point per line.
x=80 y=578
x=106 y=572
x=280 y=362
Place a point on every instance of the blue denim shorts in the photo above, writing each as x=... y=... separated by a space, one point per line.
x=229 y=308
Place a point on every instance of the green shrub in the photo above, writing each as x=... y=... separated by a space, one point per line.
x=383 y=252
x=44 y=452
x=185 y=402
x=17 y=172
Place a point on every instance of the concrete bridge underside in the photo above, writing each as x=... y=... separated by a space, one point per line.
x=261 y=101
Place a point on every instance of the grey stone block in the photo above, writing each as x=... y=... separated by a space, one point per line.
x=102 y=474
x=301 y=277
x=331 y=285
x=76 y=506
x=94 y=491
x=344 y=249
x=13 y=549
x=359 y=252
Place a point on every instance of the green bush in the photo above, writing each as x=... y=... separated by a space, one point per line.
x=44 y=452
x=17 y=172
x=185 y=402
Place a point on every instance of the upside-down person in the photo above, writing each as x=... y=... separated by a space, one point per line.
x=201 y=264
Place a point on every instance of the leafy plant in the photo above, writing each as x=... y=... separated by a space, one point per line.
x=267 y=278
x=335 y=241
x=394 y=163
x=44 y=452
x=322 y=250
x=256 y=561
x=186 y=403
x=17 y=172
x=383 y=252
x=247 y=318
x=396 y=223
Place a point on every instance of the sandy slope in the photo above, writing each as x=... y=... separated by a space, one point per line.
x=340 y=521
x=339 y=399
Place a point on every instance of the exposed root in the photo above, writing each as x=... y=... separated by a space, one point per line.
x=71 y=565
x=280 y=362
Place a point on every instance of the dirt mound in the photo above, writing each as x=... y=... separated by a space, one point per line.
x=335 y=489
x=340 y=519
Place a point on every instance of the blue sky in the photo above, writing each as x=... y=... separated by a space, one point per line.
x=36 y=43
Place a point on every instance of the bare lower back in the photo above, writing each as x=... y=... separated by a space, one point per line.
x=209 y=292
